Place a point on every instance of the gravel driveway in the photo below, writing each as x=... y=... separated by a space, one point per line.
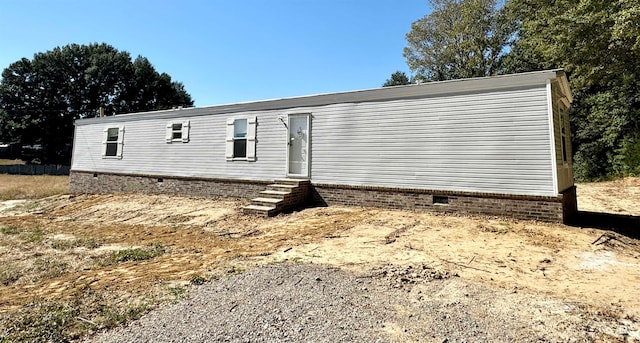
x=313 y=303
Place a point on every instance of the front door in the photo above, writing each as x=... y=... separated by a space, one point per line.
x=298 y=145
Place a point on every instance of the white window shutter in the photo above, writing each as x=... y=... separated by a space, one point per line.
x=185 y=131
x=104 y=142
x=168 y=136
x=251 y=138
x=120 y=142
x=229 y=142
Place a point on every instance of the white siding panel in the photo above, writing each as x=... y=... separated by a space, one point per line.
x=146 y=152
x=485 y=142
x=491 y=142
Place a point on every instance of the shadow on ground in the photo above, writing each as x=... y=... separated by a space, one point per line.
x=623 y=224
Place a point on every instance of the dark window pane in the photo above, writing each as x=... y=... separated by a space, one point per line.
x=112 y=149
x=176 y=126
x=240 y=148
x=177 y=135
x=112 y=134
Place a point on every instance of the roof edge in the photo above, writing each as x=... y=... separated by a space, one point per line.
x=427 y=89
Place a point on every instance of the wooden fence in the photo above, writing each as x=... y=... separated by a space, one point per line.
x=34 y=169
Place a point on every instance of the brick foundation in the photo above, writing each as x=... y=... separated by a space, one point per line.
x=544 y=208
x=88 y=182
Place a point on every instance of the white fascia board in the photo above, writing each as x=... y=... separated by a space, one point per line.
x=428 y=89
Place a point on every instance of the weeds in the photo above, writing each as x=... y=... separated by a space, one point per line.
x=9 y=230
x=10 y=273
x=32 y=186
x=134 y=254
x=45 y=268
x=65 y=321
x=40 y=323
x=114 y=316
x=85 y=242
x=33 y=235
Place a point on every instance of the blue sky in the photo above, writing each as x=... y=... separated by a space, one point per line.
x=228 y=51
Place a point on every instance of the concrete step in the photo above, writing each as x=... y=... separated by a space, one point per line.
x=281 y=187
x=263 y=201
x=274 y=194
x=295 y=182
x=266 y=211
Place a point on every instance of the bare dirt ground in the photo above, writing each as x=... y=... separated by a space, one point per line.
x=65 y=250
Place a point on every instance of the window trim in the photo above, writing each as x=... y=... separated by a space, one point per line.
x=250 y=139
x=185 y=127
x=119 y=142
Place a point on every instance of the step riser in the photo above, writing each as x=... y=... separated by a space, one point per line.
x=292 y=182
x=266 y=203
x=258 y=212
x=279 y=188
x=275 y=196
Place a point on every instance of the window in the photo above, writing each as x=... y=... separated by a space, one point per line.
x=177 y=132
x=563 y=141
x=241 y=139
x=113 y=139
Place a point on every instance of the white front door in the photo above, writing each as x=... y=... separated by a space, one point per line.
x=298 y=145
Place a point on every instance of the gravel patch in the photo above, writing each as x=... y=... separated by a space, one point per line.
x=314 y=303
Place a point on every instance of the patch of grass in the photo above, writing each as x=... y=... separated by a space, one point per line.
x=9 y=273
x=32 y=186
x=33 y=235
x=68 y=320
x=235 y=270
x=48 y=268
x=114 y=316
x=10 y=230
x=85 y=242
x=177 y=293
x=134 y=254
x=40 y=323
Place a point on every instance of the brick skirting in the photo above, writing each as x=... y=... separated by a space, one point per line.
x=89 y=182
x=544 y=208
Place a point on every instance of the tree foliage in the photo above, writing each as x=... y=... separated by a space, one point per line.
x=458 y=39
x=398 y=78
x=40 y=98
x=598 y=43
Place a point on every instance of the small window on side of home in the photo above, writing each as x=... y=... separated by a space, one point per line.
x=563 y=137
x=240 y=138
x=112 y=143
x=177 y=132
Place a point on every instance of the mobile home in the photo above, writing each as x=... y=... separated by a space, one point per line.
x=494 y=145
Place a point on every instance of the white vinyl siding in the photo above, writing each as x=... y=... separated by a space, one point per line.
x=482 y=141
x=492 y=142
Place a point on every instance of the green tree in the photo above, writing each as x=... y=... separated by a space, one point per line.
x=40 y=98
x=459 y=39
x=398 y=78
x=598 y=43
